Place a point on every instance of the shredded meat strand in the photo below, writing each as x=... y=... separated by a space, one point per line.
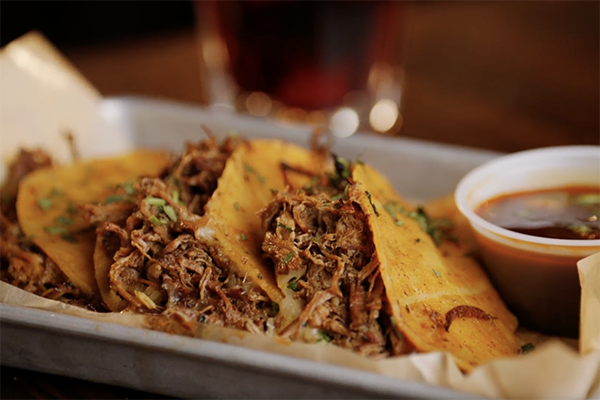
x=331 y=241
x=195 y=173
x=465 y=311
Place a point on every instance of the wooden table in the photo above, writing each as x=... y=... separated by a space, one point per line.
x=505 y=76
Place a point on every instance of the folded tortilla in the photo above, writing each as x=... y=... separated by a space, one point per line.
x=441 y=298
x=362 y=270
x=47 y=207
x=253 y=173
x=160 y=224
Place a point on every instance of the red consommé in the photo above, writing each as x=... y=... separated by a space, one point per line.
x=560 y=213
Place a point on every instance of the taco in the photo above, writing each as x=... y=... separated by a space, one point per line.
x=365 y=273
x=255 y=171
x=49 y=218
x=188 y=246
x=23 y=263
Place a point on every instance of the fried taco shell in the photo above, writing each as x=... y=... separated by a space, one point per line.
x=254 y=172
x=363 y=271
x=48 y=214
x=440 y=297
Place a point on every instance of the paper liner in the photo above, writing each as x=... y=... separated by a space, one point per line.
x=38 y=81
x=553 y=370
x=43 y=97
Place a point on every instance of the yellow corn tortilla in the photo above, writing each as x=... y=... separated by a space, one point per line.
x=47 y=213
x=251 y=174
x=423 y=282
x=102 y=263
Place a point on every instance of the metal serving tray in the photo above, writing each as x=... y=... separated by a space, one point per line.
x=185 y=367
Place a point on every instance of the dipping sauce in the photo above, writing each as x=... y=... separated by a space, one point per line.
x=558 y=213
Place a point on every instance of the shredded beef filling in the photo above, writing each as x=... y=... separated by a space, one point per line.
x=160 y=266
x=23 y=264
x=196 y=172
x=327 y=247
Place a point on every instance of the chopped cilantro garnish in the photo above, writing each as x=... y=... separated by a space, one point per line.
x=323 y=337
x=175 y=196
x=280 y=225
x=274 y=309
x=68 y=238
x=437 y=273
x=55 y=230
x=343 y=171
x=71 y=209
x=588 y=199
x=45 y=203
x=62 y=220
x=337 y=197
x=399 y=208
x=420 y=217
x=342 y=167
x=59 y=230
x=128 y=187
x=288 y=257
x=170 y=212
x=243 y=237
x=390 y=208
x=581 y=229
x=155 y=201
x=293 y=285
x=438 y=229
x=371 y=202
x=154 y=219
x=114 y=198
x=274 y=191
x=174 y=181
x=526 y=348
x=56 y=192
x=236 y=205
x=249 y=168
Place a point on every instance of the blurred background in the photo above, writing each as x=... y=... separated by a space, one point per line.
x=502 y=75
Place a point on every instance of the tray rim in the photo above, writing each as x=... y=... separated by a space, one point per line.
x=244 y=358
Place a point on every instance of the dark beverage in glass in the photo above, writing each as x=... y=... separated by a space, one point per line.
x=305 y=54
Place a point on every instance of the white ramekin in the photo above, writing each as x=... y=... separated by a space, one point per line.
x=537 y=277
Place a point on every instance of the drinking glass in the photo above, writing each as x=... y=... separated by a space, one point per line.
x=336 y=64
